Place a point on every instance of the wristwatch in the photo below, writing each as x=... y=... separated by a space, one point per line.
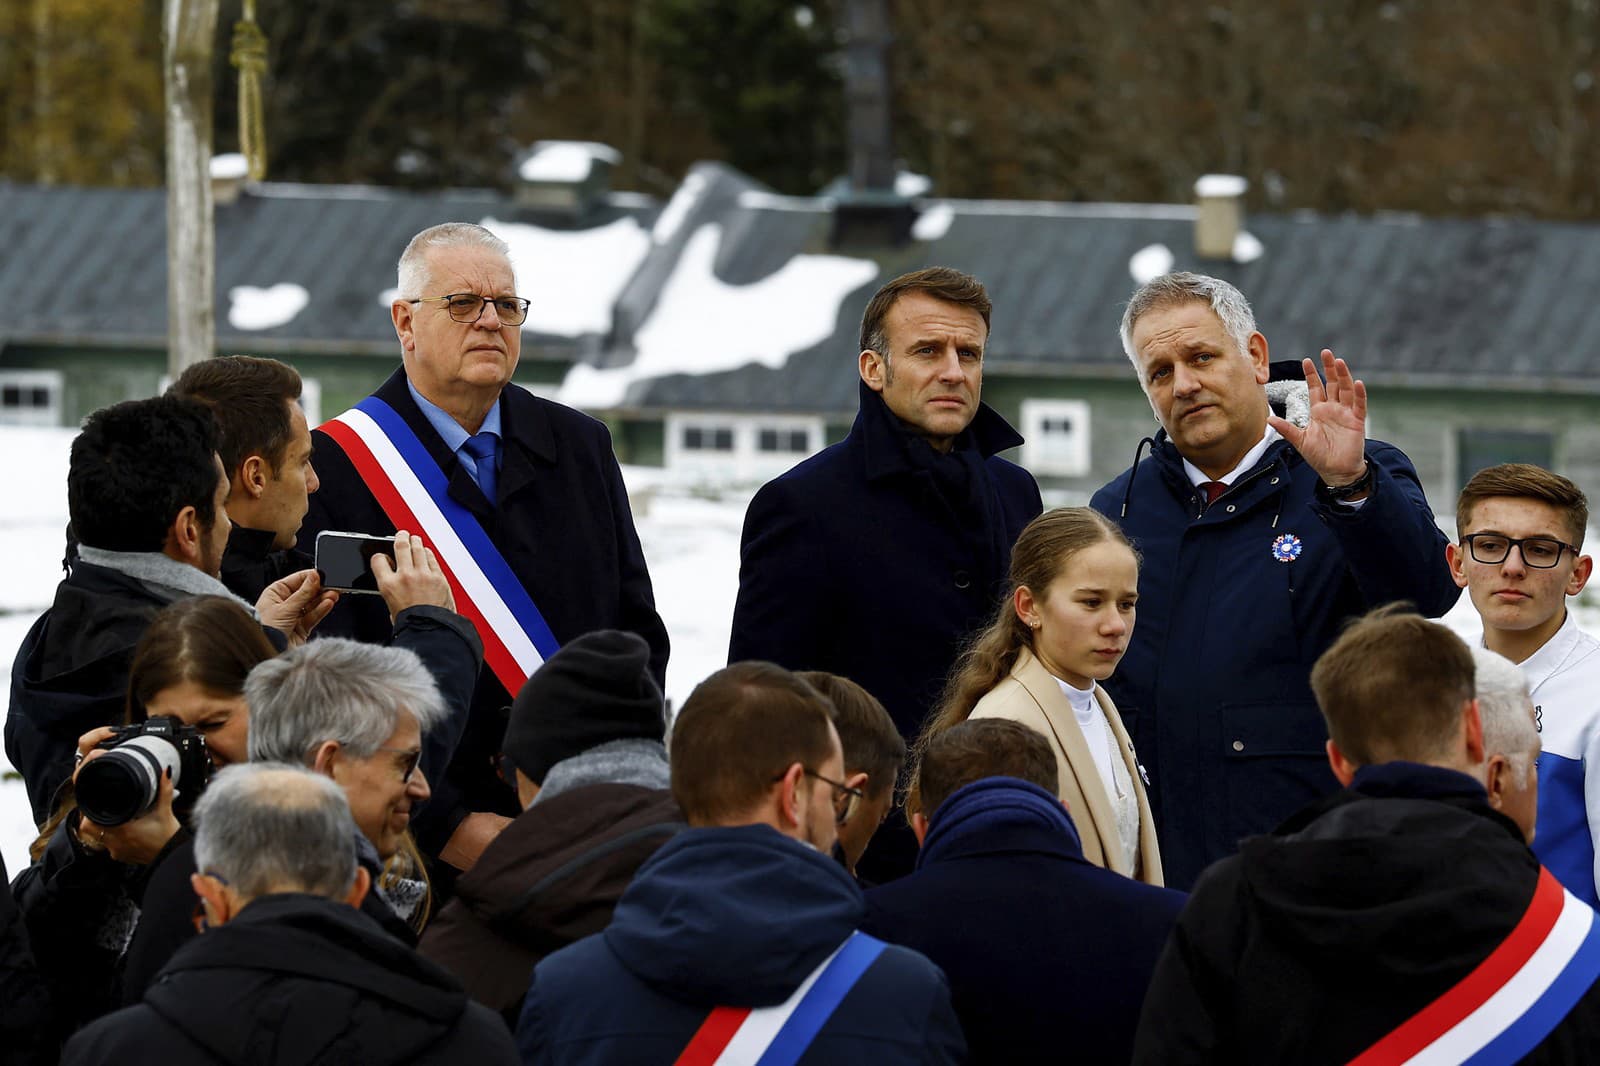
x=1345 y=493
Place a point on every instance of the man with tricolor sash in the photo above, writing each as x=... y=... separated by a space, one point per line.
x=520 y=498
x=1400 y=920
x=737 y=941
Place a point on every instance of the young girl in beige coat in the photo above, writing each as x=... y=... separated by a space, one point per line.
x=1065 y=626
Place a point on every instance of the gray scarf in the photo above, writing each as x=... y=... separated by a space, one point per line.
x=617 y=762
x=162 y=571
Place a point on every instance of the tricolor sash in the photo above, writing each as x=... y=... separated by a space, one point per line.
x=414 y=492
x=1514 y=998
x=778 y=1036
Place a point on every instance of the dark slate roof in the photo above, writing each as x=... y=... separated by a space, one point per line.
x=88 y=266
x=1472 y=302
x=1480 y=303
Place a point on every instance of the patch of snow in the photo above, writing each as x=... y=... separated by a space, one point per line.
x=701 y=324
x=1247 y=247
x=804 y=17
x=757 y=200
x=576 y=274
x=933 y=223
x=229 y=166
x=1150 y=262
x=254 y=308
x=1208 y=186
x=672 y=216
x=910 y=185
x=565 y=160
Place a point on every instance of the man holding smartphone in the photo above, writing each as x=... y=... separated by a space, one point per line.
x=522 y=497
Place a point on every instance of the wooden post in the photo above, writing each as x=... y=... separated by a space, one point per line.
x=189 y=30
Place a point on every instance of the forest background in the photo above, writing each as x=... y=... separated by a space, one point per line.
x=1459 y=107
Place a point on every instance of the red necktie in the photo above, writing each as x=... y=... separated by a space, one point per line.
x=1213 y=490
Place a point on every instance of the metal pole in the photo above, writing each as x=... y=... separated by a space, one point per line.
x=188 y=30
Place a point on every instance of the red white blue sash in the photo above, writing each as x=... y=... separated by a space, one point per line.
x=778 y=1036
x=1514 y=998
x=414 y=492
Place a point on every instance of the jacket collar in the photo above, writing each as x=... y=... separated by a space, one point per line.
x=527 y=442
x=884 y=441
x=250 y=545
x=171 y=579
x=999 y=814
x=1404 y=780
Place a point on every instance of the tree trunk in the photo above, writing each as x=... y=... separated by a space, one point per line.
x=189 y=29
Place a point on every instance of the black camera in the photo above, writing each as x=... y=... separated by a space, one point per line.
x=123 y=783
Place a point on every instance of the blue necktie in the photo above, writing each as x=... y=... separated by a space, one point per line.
x=481 y=449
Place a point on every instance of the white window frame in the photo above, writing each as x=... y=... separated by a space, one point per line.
x=746 y=461
x=53 y=381
x=1073 y=461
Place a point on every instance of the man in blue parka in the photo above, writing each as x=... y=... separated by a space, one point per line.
x=1260 y=537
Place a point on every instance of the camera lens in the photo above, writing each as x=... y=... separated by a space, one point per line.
x=123 y=783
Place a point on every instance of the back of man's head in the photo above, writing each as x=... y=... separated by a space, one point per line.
x=737 y=734
x=980 y=748
x=335 y=689
x=135 y=467
x=1392 y=687
x=267 y=828
x=872 y=743
x=249 y=398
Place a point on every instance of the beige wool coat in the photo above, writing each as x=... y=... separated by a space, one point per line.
x=1032 y=696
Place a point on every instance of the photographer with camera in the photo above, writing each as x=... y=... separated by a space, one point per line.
x=121 y=817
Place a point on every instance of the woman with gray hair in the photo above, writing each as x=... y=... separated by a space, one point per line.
x=280 y=882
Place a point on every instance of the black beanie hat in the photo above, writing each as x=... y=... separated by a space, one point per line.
x=596 y=689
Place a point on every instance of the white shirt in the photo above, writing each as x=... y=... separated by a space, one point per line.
x=1108 y=763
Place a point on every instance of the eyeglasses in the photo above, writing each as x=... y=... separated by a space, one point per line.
x=468 y=306
x=1541 y=553
x=845 y=798
x=413 y=757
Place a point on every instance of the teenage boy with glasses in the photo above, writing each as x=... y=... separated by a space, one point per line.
x=1520 y=558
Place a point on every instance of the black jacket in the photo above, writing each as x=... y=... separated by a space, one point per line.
x=552 y=877
x=565 y=528
x=71 y=673
x=297 y=979
x=166 y=918
x=1047 y=955
x=1317 y=941
x=250 y=563
x=875 y=559
x=24 y=999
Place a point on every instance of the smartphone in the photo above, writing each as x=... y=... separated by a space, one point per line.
x=344 y=560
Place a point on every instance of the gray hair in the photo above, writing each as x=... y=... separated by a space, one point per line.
x=413 y=269
x=1508 y=729
x=1227 y=302
x=271 y=827
x=335 y=689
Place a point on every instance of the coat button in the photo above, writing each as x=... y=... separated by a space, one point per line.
x=963 y=579
x=1238 y=745
x=1231 y=508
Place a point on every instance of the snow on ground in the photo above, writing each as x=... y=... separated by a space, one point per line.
x=565 y=160
x=701 y=324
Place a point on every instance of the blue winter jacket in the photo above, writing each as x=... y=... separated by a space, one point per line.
x=1236 y=603
x=1048 y=956
x=730 y=917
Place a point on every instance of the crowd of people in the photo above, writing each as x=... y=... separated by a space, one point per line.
x=1187 y=775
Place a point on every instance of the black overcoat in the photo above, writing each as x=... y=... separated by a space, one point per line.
x=562 y=523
